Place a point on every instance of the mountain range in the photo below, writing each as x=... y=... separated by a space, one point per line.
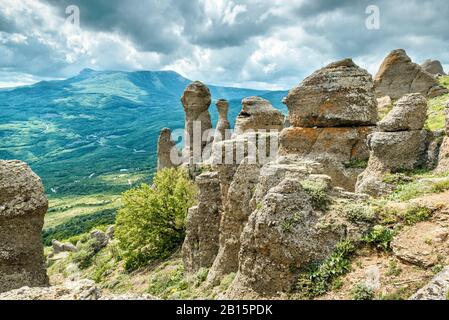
x=99 y=122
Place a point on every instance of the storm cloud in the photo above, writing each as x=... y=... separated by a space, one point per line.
x=251 y=43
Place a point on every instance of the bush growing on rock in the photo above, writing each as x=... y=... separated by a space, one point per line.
x=151 y=223
x=380 y=237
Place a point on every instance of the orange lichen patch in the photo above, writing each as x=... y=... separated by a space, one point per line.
x=392 y=59
x=310 y=134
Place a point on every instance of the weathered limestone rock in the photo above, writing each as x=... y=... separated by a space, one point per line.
x=59 y=247
x=409 y=113
x=436 y=289
x=421 y=244
x=398 y=76
x=202 y=232
x=258 y=114
x=390 y=152
x=443 y=158
x=401 y=144
x=196 y=101
x=235 y=216
x=23 y=205
x=433 y=67
x=336 y=148
x=223 y=122
x=166 y=150
x=282 y=235
x=340 y=94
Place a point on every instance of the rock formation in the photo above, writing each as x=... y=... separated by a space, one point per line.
x=23 y=205
x=399 y=145
x=398 y=76
x=258 y=114
x=166 y=150
x=196 y=101
x=332 y=113
x=201 y=243
x=433 y=67
x=340 y=94
x=443 y=159
x=223 y=123
x=436 y=289
x=285 y=233
x=235 y=215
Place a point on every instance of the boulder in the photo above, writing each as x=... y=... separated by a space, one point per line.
x=398 y=76
x=235 y=216
x=101 y=240
x=436 y=289
x=282 y=235
x=166 y=150
x=433 y=67
x=110 y=232
x=409 y=113
x=23 y=205
x=203 y=221
x=196 y=100
x=340 y=94
x=390 y=152
x=258 y=114
x=59 y=247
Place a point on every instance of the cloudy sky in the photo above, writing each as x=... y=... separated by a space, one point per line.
x=250 y=43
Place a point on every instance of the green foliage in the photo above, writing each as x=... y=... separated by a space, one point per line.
x=435 y=113
x=104 y=262
x=356 y=164
x=318 y=194
x=393 y=269
x=288 y=224
x=379 y=237
x=321 y=278
x=78 y=225
x=226 y=281
x=165 y=284
x=362 y=292
x=151 y=224
x=359 y=212
x=201 y=276
x=416 y=213
x=440 y=186
x=85 y=254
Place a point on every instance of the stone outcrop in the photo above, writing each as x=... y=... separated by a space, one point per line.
x=399 y=145
x=23 y=205
x=258 y=114
x=202 y=231
x=223 y=123
x=340 y=94
x=332 y=112
x=433 y=67
x=409 y=113
x=166 y=150
x=235 y=216
x=196 y=101
x=443 y=158
x=436 y=289
x=59 y=247
x=398 y=76
x=285 y=233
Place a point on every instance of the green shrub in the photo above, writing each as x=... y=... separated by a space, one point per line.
x=440 y=186
x=85 y=254
x=318 y=194
x=356 y=164
x=416 y=213
x=359 y=212
x=151 y=224
x=362 y=292
x=321 y=278
x=380 y=237
x=168 y=282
